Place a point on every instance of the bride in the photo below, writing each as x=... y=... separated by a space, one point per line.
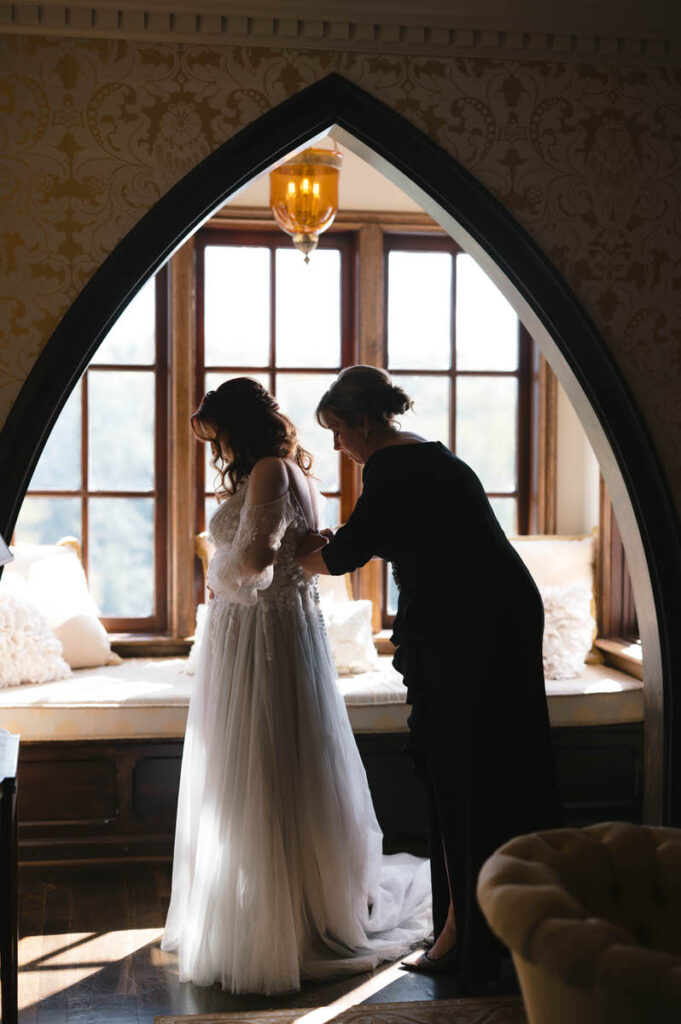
x=278 y=871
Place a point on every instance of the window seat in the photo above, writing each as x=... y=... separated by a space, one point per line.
x=147 y=698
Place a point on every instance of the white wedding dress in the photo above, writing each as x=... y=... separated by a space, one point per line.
x=278 y=870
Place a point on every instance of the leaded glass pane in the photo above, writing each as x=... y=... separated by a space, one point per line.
x=121 y=430
x=132 y=339
x=237 y=305
x=486 y=428
x=505 y=509
x=298 y=395
x=431 y=415
x=419 y=310
x=121 y=556
x=46 y=520
x=486 y=323
x=329 y=513
x=308 y=321
x=60 y=463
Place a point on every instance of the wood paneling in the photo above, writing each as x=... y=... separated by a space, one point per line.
x=616 y=611
x=78 y=789
x=546 y=443
x=600 y=772
x=155 y=785
x=117 y=801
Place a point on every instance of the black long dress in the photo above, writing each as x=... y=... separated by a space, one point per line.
x=468 y=634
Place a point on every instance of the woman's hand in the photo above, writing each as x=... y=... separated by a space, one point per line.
x=309 y=553
x=312 y=542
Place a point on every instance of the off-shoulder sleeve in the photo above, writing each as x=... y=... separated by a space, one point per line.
x=360 y=539
x=234 y=572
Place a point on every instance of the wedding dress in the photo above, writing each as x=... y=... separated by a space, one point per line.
x=278 y=870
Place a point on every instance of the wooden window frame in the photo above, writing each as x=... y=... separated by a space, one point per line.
x=615 y=606
x=157 y=622
x=264 y=236
x=526 y=416
x=179 y=575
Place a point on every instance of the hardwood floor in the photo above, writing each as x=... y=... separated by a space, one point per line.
x=89 y=953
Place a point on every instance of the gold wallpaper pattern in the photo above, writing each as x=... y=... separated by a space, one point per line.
x=587 y=158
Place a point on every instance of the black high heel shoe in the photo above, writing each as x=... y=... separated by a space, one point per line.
x=434 y=965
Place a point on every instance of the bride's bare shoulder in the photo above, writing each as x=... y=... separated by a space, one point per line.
x=269 y=480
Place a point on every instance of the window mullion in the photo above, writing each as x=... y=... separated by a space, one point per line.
x=182 y=344
x=371 y=351
x=84 y=472
x=163 y=601
x=273 y=319
x=453 y=369
x=524 y=429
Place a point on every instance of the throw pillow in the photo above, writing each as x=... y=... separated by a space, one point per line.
x=51 y=577
x=334 y=589
x=348 y=626
x=568 y=630
x=29 y=650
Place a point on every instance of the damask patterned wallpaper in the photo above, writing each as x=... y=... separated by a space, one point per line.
x=587 y=158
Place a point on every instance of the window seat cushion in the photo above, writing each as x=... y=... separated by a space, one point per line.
x=148 y=698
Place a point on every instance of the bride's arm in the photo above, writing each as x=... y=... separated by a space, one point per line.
x=267 y=484
x=245 y=567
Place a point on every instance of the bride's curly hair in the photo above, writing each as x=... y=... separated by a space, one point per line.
x=246 y=418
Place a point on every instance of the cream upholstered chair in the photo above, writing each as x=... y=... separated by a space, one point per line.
x=593 y=920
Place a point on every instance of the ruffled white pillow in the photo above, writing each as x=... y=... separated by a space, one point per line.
x=348 y=626
x=51 y=577
x=568 y=630
x=29 y=650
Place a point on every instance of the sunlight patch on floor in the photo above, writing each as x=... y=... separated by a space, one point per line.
x=383 y=977
x=49 y=964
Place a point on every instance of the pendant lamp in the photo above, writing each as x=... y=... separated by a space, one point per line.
x=304 y=196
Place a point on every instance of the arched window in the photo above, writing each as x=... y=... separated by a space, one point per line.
x=122 y=473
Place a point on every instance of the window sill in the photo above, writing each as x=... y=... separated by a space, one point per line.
x=382 y=642
x=146 y=645
x=625 y=655
x=621 y=654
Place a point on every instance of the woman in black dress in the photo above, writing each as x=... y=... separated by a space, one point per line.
x=468 y=634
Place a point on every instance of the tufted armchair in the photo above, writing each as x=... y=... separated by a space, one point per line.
x=593 y=920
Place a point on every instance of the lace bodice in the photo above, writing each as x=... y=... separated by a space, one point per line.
x=241 y=534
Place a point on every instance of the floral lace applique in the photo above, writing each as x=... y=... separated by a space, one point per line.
x=243 y=535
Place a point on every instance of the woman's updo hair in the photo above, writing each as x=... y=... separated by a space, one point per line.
x=243 y=415
x=360 y=392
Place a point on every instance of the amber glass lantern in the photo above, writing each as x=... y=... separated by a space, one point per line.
x=304 y=196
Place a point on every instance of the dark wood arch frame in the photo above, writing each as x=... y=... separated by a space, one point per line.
x=336 y=101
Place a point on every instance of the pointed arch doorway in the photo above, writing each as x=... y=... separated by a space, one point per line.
x=542 y=299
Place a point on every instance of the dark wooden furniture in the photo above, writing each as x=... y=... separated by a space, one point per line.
x=9 y=753
x=117 y=800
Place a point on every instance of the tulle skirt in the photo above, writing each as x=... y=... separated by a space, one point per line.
x=278 y=871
